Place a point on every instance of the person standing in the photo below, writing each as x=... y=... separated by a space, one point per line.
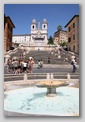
x=48 y=60
x=41 y=63
x=32 y=63
x=24 y=66
x=74 y=64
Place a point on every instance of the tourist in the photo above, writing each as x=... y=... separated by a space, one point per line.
x=66 y=59
x=24 y=66
x=32 y=63
x=74 y=64
x=15 y=66
x=41 y=63
x=30 y=58
x=72 y=57
x=48 y=60
x=29 y=66
x=19 y=67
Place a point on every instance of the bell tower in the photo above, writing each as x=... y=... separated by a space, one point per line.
x=45 y=30
x=33 y=25
x=44 y=24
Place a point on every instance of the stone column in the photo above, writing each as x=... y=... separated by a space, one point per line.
x=25 y=77
x=68 y=77
x=48 y=76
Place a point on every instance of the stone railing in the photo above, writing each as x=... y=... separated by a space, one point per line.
x=35 y=76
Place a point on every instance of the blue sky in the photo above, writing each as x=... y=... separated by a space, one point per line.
x=56 y=14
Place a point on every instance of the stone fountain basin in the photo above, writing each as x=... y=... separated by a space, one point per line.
x=51 y=83
x=51 y=86
x=33 y=101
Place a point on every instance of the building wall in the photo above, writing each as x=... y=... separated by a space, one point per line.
x=29 y=40
x=63 y=36
x=21 y=39
x=73 y=35
x=60 y=36
x=8 y=30
x=36 y=31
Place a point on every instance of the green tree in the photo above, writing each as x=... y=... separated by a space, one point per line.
x=63 y=44
x=59 y=27
x=50 y=40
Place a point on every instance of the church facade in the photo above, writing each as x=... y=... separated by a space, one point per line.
x=37 y=37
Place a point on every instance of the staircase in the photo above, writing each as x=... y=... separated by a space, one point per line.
x=38 y=55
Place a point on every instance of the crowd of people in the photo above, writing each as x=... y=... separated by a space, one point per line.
x=20 y=66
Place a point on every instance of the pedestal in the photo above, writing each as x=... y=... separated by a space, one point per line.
x=51 y=92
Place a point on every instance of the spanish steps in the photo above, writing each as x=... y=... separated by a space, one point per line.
x=39 y=54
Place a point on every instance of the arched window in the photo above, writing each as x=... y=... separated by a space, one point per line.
x=33 y=26
x=44 y=26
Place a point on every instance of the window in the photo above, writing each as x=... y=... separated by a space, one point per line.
x=73 y=37
x=69 y=29
x=44 y=26
x=69 y=39
x=33 y=26
x=73 y=47
x=73 y=25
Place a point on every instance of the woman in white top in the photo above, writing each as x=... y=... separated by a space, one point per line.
x=24 y=66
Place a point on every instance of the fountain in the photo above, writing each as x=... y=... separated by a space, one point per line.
x=42 y=99
x=51 y=86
